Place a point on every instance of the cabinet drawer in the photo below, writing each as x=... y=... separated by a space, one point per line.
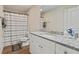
x=65 y=50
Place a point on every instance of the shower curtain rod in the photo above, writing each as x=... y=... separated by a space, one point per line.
x=15 y=12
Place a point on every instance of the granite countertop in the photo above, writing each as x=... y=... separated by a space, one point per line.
x=59 y=38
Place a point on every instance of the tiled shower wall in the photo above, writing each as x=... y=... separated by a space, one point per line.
x=16 y=28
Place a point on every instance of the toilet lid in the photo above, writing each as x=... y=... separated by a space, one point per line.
x=24 y=39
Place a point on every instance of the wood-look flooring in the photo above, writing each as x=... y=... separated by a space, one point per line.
x=23 y=50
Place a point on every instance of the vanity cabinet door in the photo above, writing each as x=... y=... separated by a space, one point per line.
x=64 y=50
x=48 y=46
x=40 y=45
x=33 y=48
x=71 y=51
x=35 y=44
x=60 y=49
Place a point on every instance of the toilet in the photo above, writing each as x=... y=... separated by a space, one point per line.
x=25 y=41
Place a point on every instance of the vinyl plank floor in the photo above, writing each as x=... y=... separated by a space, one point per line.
x=23 y=50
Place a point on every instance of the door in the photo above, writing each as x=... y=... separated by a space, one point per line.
x=71 y=18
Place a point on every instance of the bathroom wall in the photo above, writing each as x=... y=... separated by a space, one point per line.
x=1 y=32
x=34 y=18
x=1 y=11
x=1 y=15
x=55 y=19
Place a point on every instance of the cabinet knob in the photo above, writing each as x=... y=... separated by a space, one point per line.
x=40 y=46
x=65 y=52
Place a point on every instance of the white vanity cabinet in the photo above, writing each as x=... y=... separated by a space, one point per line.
x=42 y=45
x=65 y=50
x=39 y=45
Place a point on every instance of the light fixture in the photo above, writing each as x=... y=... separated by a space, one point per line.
x=41 y=9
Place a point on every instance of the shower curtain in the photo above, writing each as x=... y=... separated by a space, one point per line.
x=16 y=28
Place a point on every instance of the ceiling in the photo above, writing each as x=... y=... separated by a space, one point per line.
x=17 y=8
x=25 y=8
x=46 y=8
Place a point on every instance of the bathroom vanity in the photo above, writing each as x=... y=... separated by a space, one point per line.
x=46 y=43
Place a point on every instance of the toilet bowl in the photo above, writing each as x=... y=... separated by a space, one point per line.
x=25 y=41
